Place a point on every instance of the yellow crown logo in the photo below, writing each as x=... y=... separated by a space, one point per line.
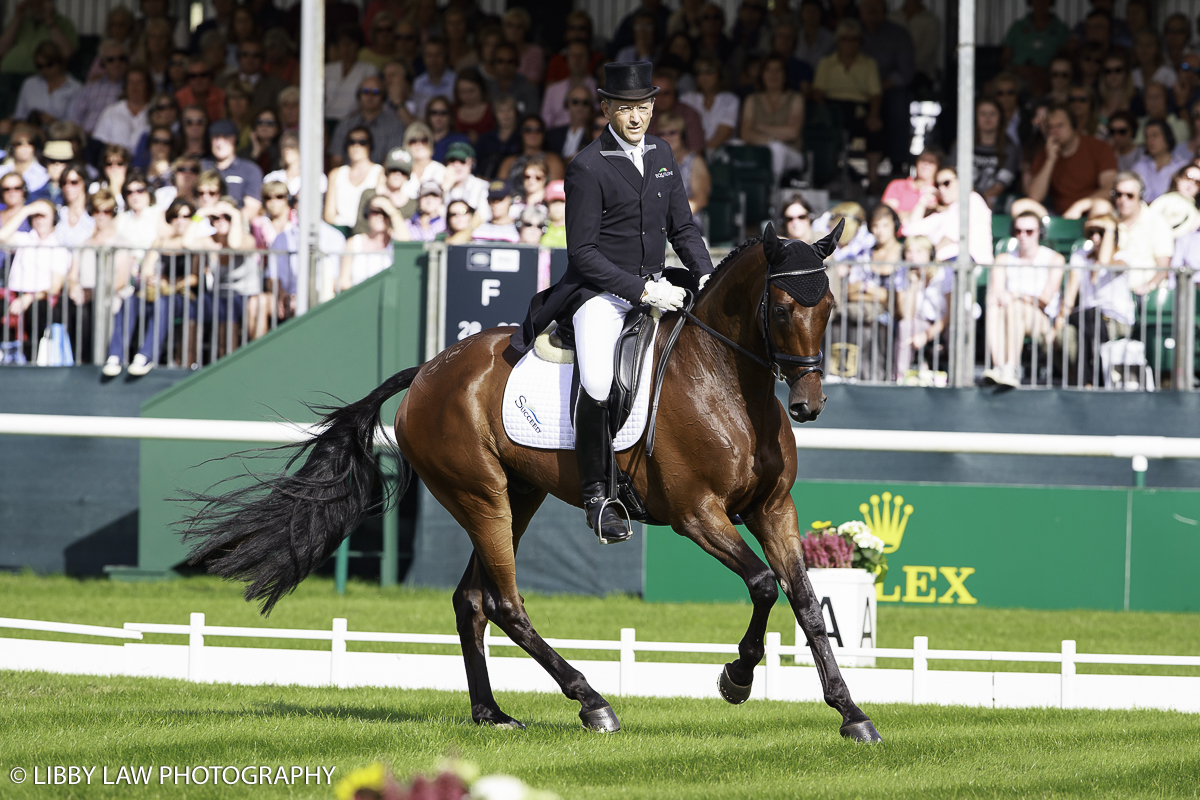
x=888 y=525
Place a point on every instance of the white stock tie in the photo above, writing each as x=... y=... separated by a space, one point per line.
x=636 y=156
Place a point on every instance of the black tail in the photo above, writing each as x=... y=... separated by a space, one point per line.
x=275 y=532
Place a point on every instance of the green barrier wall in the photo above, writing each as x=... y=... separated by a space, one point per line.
x=337 y=352
x=1000 y=546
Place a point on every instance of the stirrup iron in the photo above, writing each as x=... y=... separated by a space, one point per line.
x=624 y=514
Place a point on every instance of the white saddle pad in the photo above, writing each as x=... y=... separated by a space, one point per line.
x=537 y=405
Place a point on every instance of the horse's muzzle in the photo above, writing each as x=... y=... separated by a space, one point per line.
x=804 y=411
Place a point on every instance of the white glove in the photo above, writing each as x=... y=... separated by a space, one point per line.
x=703 y=280
x=663 y=294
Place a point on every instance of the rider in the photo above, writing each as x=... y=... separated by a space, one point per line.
x=625 y=199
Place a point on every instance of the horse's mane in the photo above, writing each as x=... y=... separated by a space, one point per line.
x=732 y=256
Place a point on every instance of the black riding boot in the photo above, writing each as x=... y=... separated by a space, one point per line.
x=594 y=455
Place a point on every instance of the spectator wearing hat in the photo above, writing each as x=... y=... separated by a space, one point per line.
x=459 y=182
x=243 y=178
x=397 y=168
x=556 y=215
x=56 y=155
x=47 y=95
x=501 y=227
x=429 y=220
x=1178 y=206
x=387 y=131
x=101 y=93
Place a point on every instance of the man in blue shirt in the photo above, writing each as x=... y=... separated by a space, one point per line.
x=243 y=178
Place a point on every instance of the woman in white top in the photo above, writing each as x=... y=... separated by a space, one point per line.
x=138 y=225
x=347 y=183
x=126 y=120
x=1024 y=290
x=289 y=158
x=370 y=253
x=1106 y=308
x=75 y=225
x=39 y=267
x=418 y=140
x=941 y=227
x=718 y=109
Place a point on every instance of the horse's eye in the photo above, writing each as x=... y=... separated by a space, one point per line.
x=781 y=312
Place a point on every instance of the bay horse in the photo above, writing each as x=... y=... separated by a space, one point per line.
x=724 y=447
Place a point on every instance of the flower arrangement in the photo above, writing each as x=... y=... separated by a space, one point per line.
x=850 y=545
x=456 y=780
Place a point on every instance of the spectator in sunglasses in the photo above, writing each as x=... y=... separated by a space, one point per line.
x=162 y=151
x=39 y=267
x=556 y=108
x=264 y=89
x=439 y=114
x=692 y=170
x=23 y=159
x=437 y=80
x=163 y=112
x=579 y=29
x=200 y=90
x=185 y=171
x=101 y=93
x=243 y=179
x=505 y=80
x=568 y=139
x=114 y=163
x=386 y=129
x=418 y=141
x=263 y=147
x=137 y=225
x=47 y=95
x=797 y=220
x=75 y=225
x=119 y=27
x=195 y=132
x=348 y=182
x=533 y=143
x=370 y=253
x=31 y=24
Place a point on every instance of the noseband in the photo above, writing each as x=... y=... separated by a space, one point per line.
x=774 y=358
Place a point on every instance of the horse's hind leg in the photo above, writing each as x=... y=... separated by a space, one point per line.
x=487 y=518
x=469 y=604
x=711 y=529
x=777 y=530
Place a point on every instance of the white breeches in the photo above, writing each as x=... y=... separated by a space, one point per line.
x=597 y=325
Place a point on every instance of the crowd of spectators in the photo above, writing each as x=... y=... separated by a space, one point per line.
x=447 y=123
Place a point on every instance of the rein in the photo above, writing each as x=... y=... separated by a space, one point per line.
x=774 y=358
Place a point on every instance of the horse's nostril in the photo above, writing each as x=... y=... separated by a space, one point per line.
x=799 y=411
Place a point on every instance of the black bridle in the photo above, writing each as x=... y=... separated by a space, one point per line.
x=774 y=359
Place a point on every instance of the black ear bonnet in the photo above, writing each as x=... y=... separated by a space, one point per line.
x=798 y=267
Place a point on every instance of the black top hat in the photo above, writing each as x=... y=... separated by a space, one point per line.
x=628 y=80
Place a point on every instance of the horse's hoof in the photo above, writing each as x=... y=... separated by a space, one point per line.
x=601 y=720
x=732 y=692
x=503 y=722
x=861 y=732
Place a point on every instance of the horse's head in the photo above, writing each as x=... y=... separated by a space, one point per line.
x=798 y=303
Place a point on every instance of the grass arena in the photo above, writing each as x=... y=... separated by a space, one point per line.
x=668 y=747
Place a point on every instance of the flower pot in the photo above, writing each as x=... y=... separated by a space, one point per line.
x=847 y=600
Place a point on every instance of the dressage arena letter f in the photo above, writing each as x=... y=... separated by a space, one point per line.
x=488 y=289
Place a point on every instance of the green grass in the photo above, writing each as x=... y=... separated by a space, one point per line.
x=369 y=608
x=667 y=749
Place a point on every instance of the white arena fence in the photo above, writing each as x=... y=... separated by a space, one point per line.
x=199 y=662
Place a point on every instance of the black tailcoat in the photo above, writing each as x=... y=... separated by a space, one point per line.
x=618 y=223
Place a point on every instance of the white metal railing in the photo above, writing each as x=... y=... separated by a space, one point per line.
x=199 y=661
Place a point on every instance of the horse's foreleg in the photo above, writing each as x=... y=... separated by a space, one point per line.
x=778 y=531
x=471 y=622
x=711 y=529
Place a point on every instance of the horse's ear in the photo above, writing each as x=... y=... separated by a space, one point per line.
x=772 y=248
x=826 y=246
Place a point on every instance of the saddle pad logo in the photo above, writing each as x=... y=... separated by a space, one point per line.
x=528 y=413
x=663 y=172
